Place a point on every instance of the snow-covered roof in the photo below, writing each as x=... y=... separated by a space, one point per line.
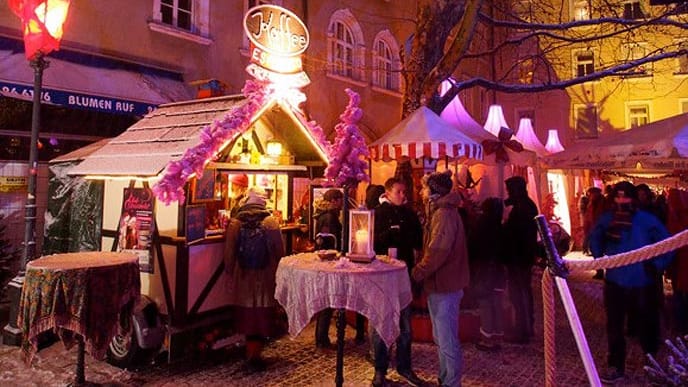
x=158 y=138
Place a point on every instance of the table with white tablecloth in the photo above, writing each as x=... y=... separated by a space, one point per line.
x=378 y=290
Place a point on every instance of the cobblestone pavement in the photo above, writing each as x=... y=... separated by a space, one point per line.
x=295 y=361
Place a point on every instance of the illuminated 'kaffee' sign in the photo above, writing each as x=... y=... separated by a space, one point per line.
x=276 y=30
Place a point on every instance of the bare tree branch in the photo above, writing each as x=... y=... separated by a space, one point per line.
x=618 y=70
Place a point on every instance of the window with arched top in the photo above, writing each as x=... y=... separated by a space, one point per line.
x=386 y=62
x=345 y=49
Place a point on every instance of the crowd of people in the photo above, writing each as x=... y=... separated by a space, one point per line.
x=488 y=251
x=624 y=218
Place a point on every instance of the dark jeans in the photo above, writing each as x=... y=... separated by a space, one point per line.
x=521 y=297
x=621 y=302
x=403 y=345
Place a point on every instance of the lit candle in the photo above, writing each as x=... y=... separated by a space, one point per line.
x=361 y=242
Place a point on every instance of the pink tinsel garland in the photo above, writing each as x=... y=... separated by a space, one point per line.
x=170 y=187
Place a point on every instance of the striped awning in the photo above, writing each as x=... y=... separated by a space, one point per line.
x=424 y=134
x=434 y=150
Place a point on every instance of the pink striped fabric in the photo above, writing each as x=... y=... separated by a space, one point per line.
x=436 y=150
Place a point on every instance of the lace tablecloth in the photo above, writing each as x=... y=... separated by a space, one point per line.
x=80 y=293
x=378 y=290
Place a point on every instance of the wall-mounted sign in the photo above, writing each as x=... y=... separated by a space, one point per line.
x=276 y=30
x=278 y=38
x=13 y=184
x=76 y=100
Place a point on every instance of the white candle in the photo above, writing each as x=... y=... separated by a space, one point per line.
x=361 y=242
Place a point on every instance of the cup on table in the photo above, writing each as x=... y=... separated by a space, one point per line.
x=392 y=252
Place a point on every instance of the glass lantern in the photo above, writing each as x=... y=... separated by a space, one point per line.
x=361 y=238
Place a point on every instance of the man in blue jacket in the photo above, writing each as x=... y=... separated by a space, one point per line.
x=631 y=288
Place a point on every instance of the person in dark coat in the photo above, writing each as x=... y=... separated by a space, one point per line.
x=488 y=273
x=396 y=226
x=520 y=244
x=251 y=292
x=327 y=222
x=327 y=218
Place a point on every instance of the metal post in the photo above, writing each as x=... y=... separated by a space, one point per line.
x=79 y=378
x=38 y=64
x=11 y=333
x=341 y=324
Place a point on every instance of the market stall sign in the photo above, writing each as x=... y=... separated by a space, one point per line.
x=278 y=38
x=13 y=184
x=276 y=30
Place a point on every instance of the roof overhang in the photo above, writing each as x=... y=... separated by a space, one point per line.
x=147 y=147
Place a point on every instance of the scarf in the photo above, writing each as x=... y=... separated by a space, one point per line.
x=622 y=220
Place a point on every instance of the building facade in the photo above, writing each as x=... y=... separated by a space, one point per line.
x=118 y=62
x=592 y=109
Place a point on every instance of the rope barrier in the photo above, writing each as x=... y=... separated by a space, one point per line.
x=607 y=262
x=548 y=312
x=630 y=257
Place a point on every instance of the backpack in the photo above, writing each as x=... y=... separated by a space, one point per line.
x=253 y=252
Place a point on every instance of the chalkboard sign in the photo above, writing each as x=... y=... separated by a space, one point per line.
x=195 y=223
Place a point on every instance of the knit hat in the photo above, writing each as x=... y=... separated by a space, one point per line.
x=239 y=180
x=440 y=183
x=628 y=189
x=254 y=196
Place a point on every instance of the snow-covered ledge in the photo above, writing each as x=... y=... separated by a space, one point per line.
x=169 y=30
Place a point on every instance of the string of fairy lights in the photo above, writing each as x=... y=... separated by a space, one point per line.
x=679 y=175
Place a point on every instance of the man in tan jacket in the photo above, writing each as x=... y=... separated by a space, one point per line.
x=444 y=272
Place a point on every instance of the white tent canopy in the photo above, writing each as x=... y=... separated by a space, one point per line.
x=658 y=146
x=424 y=134
x=456 y=115
x=490 y=172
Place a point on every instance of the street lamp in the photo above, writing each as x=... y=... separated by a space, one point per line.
x=42 y=22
